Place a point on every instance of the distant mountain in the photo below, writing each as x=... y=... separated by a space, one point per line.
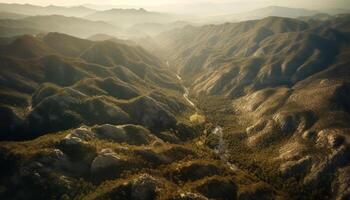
x=70 y=25
x=129 y=17
x=318 y=17
x=100 y=37
x=17 y=31
x=269 y=11
x=103 y=37
x=9 y=15
x=152 y=29
x=256 y=109
x=27 y=9
x=337 y=11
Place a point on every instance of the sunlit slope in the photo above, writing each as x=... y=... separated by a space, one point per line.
x=286 y=85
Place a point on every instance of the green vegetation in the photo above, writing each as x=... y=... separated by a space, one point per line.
x=103 y=118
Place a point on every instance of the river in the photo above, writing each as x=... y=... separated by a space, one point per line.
x=221 y=149
x=186 y=92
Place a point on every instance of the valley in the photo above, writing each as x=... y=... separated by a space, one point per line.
x=137 y=104
x=274 y=113
x=95 y=130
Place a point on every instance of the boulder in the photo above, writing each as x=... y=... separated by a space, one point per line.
x=107 y=165
x=105 y=159
x=145 y=187
x=76 y=148
x=83 y=133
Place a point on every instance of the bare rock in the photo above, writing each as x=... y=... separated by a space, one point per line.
x=70 y=139
x=130 y=134
x=144 y=187
x=108 y=165
x=335 y=140
x=76 y=148
x=189 y=196
x=329 y=138
x=106 y=158
x=292 y=168
x=84 y=133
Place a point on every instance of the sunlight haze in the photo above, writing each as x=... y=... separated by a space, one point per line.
x=182 y=5
x=175 y=99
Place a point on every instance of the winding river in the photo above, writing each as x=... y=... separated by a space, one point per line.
x=221 y=149
x=186 y=92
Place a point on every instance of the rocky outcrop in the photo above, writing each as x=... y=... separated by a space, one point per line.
x=106 y=158
x=329 y=138
x=144 y=187
x=75 y=146
x=189 y=196
x=130 y=134
x=336 y=159
x=295 y=167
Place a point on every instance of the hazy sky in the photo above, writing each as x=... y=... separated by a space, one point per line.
x=239 y=4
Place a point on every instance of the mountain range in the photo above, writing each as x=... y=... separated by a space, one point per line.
x=28 y=9
x=44 y=24
x=286 y=88
x=252 y=109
